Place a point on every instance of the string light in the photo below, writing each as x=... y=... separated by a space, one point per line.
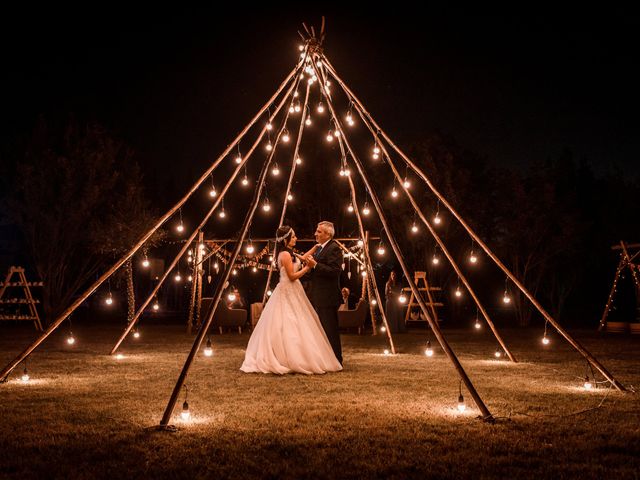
x=208 y=350
x=428 y=351
x=289 y=197
x=350 y=208
x=478 y=325
x=406 y=183
x=545 y=339
x=472 y=257
x=320 y=107
x=402 y=298
x=234 y=272
x=298 y=161
x=381 y=249
x=25 y=375
x=497 y=353
x=71 y=339
x=239 y=159
x=437 y=220
x=365 y=209
x=156 y=305
x=145 y=262
x=269 y=292
x=285 y=136
x=383 y=329
x=266 y=206
x=336 y=133
x=254 y=269
x=231 y=297
x=458 y=292
x=394 y=193
x=374 y=302
x=250 y=248
x=435 y=259
x=307 y=122
x=275 y=171
x=178 y=277
x=330 y=136
x=292 y=109
x=269 y=147
x=363 y=273
x=136 y=333
x=212 y=192
x=414 y=228
x=269 y=126
x=297 y=108
x=245 y=181
x=360 y=243
x=109 y=299
x=180 y=227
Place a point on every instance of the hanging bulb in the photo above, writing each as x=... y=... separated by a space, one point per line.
x=271 y=258
x=336 y=133
x=349 y=119
x=381 y=249
x=428 y=351
x=234 y=272
x=437 y=219
x=189 y=259
x=292 y=109
x=297 y=108
x=180 y=227
x=363 y=273
x=269 y=126
x=587 y=383
x=285 y=136
x=497 y=353
x=231 y=297
x=506 y=298
x=376 y=149
x=298 y=161
x=71 y=339
x=458 y=292
x=365 y=209
x=472 y=257
x=289 y=197
x=269 y=147
x=269 y=292
x=478 y=325
x=25 y=375
x=347 y=172
x=394 y=193
x=406 y=183
x=239 y=159
x=250 y=249
x=185 y=414
x=341 y=172
x=461 y=406
x=360 y=243
x=136 y=333
x=435 y=260
x=145 y=262
x=374 y=302
x=402 y=298
x=208 y=350
x=307 y=122
x=189 y=278
x=330 y=136
x=109 y=299
x=245 y=181
x=383 y=329
x=221 y=214
x=414 y=228
x=156 y=306
x=545 y=339
x=386 y=352
x=375 y=156
x=178 y=277
x=320 y=107
x=212 y=192
x=265 y=206
x=350 y=208
x=254 y=269
x=275 y=171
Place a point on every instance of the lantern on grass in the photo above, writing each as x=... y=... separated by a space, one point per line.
x=25 y=375
x=428 y=351
x=208 y=350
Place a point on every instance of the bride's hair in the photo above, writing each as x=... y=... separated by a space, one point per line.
x=283 y=235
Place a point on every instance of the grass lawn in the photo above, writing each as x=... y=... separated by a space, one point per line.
x=85 y=414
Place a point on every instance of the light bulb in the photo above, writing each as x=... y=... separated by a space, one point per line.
x=386 y=352
x=250 y=248
x=245 y=181
x=347 y=172
x=234 y=272
x=180 y=227
x=190 y=278
x=341 y=172
x=178 y=277
x=473 y=258
x=208 y=350
x=189 y=259
x=320 y=107
x=365 y=210
x=497 y=353
x=374 y=302
x=231 y=297
x=350 y=208
x=156 y=306
x=269 y=147
x=394 y=193
x=185 y=414
x=109 y=300
x=266 y=207
x=545 y=340
x=461 y=406
x=458 y=292
x=360 y=243
x=435 y=260
x=239 y=159
x=292 y=109
x=269 y=292
x=271 y=258
x=330 y=136
x=587 y=383
x=383 y=329
x=437 y=219
x=381 y=250
x=402 y=298
x=349 y=118
x=254 y=269
x=212 y=192
x=307 y=122
x=414 y=228
x=506 y=298
x=269 y=126
x=375 y=156
x=25 y=375
x=70 y=339
x=428 y=351
x=286 y=137
x=297 y=108
x=145 y=262
x=478 y=325
x=136 y=334
x=222 y=214
x=289 y=197
x=376 y=149
x=363 y=273
x=298 y=160
x=119 y=356
x=406 y=183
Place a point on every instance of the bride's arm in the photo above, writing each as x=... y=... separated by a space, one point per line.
x=311 y=251
x=287 y=263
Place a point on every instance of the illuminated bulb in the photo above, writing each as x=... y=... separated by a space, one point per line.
x=330 y=136
x=254 y=269
x=374 y=302
x=458 y=292
x=320 y=107
x=292 y=109
x=298 y=161
x=376 y=156
x=190 y=278
x=314 y=78
x=498 y=353
x=437 y=219
x=119 y=356
x=296 y=94
x=245 y=181
x=301 y=48
x=402 y=298
x=266 y=207
x=271 y=258
x=189 y=259
x=145 y=262
x=376 y=149
x=289 y=197
x=473 y=258
x=239 y=159
x=234 y=272
x=506 y=298
x=383 y=329
x=386 y=352
x=178 y=277
x=428 y=351
x=269 y=126
x=297 y=108
x=414 y=228
x=347 y=172
x=406 y=183
x=363 y=273
x=286 y=137
x=337 y=133
x=180 y=227
x=478 y=325
x=350 y=208
x=231 y=297
x=394 y=193
x=276 y=170
x=366 y=210
x=156 y=306
x=185 y=414
x=360 y=243
x=136 y=334
x=342 y=172
x=349 y=118
x=381 y=250
x=269 y=292
x=25 y=375
x=318 y=64
x=461 y=406
x=435 y=260
x=250 y=248
x=587 y=383
x=208 y=350
x=212 y=192
x=70 y=339
x=307 y=122
x=269 y=147
x=109 y=299
x=222 y=214
x=545 y=340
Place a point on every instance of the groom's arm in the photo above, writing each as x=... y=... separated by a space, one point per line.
x=330 y=264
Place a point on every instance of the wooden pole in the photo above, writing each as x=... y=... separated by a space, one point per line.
x=202 y=223
x=607 y=307
x=221 y=284
x=486 y=415
x=15 y=362
x=585 y=353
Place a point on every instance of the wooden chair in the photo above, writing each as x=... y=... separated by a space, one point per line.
x=354 y=318
x=225 y=316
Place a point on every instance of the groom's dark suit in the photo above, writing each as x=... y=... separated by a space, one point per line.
x=324 y=292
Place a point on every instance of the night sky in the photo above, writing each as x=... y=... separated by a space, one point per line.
x=178 y=85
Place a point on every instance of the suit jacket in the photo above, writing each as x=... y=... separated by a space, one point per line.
x=324 y=290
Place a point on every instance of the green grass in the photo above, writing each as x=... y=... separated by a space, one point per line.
x=88 y=415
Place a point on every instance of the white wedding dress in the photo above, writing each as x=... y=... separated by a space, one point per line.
x=289 y=336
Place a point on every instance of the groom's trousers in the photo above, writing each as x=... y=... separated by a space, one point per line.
x=329 y=320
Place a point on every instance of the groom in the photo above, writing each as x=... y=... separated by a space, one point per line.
x=324 y=291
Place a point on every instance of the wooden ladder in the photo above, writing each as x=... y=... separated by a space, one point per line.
x=27 y=300
x=417 y=276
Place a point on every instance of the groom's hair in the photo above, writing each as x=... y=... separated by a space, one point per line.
x=328 y=227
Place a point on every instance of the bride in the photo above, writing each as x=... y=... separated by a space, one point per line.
x=289 y=336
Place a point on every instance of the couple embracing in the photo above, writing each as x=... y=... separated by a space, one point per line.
x=297 y=333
